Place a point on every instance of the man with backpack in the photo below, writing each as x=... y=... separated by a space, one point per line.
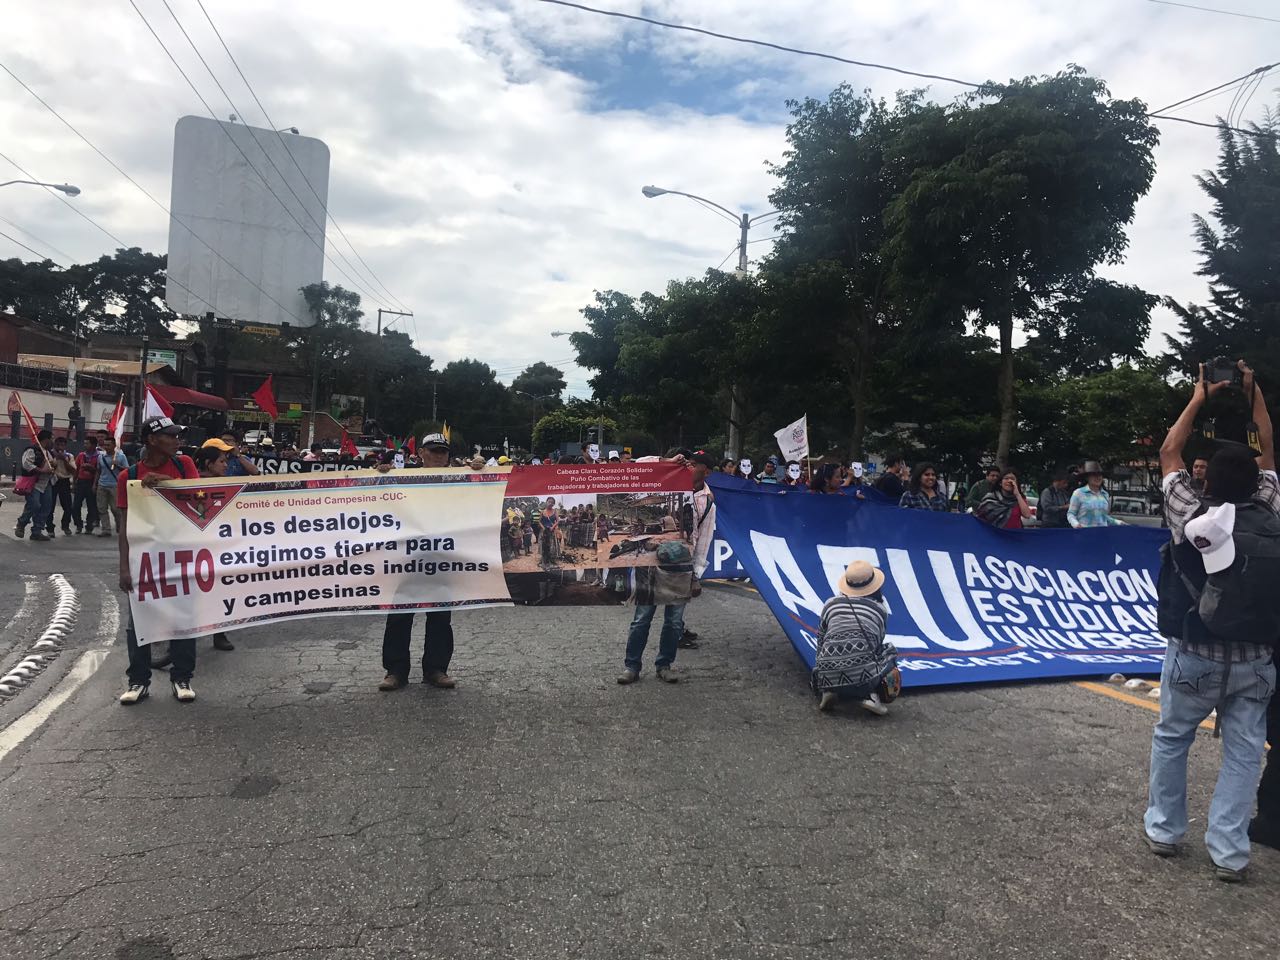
x=37 y=480
x=1219 y=610
x=111 y=464
x=160 y=461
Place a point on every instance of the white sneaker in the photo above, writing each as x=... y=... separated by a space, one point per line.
x=827 y=702
x=182 y=691
x=873 y=705
x=135 y=693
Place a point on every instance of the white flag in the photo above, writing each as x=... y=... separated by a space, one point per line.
x=115 y=426
x=793 y=440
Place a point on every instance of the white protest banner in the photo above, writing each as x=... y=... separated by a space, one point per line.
x=222 y=554
x=793 y=440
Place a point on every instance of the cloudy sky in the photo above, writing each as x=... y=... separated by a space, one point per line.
x=487 y=155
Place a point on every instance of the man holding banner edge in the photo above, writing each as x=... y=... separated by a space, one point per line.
x=1206 y=669
x=160 y=461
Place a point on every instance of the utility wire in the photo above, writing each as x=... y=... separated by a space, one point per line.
x=17 y=242
x=765 y=239
x=758 y=43
x=44 y=243
x=727 y=256
x=1186 y=100
x=1244 y=103
x=57 y=195
x=284 y=206
x=1156 y=114
x=716 y=210
x=271 y=123
x=1225 y=13
x=146 y=193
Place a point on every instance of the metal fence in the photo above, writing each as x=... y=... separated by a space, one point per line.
x=33 y=378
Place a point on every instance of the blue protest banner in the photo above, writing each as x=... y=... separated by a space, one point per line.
x=968 y=603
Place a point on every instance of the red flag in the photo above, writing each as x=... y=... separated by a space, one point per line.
x=389 y=443
x=265 y=398
x=31 y=425
x=115 y=426
x=348 y=445
x=412 y=446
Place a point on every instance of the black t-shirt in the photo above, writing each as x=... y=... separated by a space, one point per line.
x=891 y=486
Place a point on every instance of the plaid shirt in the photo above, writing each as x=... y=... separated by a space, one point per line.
x=1181 y=500
x=922 y=501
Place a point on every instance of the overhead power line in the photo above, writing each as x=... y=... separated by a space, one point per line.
x=17 y=242
x=118 y=169
x=252 y=166
x=1157 y=114
x=759 y=43
x=1225 y=13
x=44 y=243
x=1196 y=96
x=272 y=124
x=57 y=195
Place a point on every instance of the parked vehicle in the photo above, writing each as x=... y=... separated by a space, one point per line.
x=1135 y=509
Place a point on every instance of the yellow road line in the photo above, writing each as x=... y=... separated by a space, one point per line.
x=1125 y=697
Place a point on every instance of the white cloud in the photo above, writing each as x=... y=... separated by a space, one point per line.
x=483 y=181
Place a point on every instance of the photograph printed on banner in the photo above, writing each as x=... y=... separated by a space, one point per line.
x=591 y=531
x=598 y=549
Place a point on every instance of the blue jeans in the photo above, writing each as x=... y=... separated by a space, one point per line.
x=1190 y=688
x=38 y=510
x=638 y=635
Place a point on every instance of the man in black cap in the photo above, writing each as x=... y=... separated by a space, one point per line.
x=437 y=649
x=160 y=461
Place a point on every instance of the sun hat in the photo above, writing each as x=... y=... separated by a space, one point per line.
x=217 y=444
x=861 y=579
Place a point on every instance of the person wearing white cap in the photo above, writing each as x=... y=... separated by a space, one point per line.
x=854 y=661
x=1230 y=671
x=437 y=642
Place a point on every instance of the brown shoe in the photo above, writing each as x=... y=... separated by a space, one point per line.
x=667 y=675
x=390 y=682
x=439 y=679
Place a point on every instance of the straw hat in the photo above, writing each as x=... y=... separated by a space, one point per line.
x=861 y=579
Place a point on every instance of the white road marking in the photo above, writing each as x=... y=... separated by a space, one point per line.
x=15 y=733
x=110 y=626
x=30 y=588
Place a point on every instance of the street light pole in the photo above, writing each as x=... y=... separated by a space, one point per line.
x=745 y=221
x=66 y=188
x=370 y=390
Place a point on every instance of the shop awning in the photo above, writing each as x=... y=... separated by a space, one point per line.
x=189 y=398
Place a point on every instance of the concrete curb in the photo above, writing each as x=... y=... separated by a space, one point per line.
x=49 y=645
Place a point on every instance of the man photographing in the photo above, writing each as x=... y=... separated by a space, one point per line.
x=1220 y=653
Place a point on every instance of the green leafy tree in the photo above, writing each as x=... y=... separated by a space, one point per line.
x=1239 y=247
x=471 y=399
x=46 y=293
x=1015 y=195
x=839 y=175
x=125 y=293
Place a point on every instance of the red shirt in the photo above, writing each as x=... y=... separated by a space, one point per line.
x=1015 y=520
x=189 y=472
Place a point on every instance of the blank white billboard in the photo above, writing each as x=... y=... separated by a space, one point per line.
x=246 y=232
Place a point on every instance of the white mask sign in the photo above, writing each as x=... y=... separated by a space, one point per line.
x=857 y=468
x=793 y=471
x=593 y=451
x=745 y=466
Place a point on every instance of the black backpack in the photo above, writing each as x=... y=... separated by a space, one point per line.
x=1239 y=603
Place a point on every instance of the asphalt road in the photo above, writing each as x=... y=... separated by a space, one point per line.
x=542 y=811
